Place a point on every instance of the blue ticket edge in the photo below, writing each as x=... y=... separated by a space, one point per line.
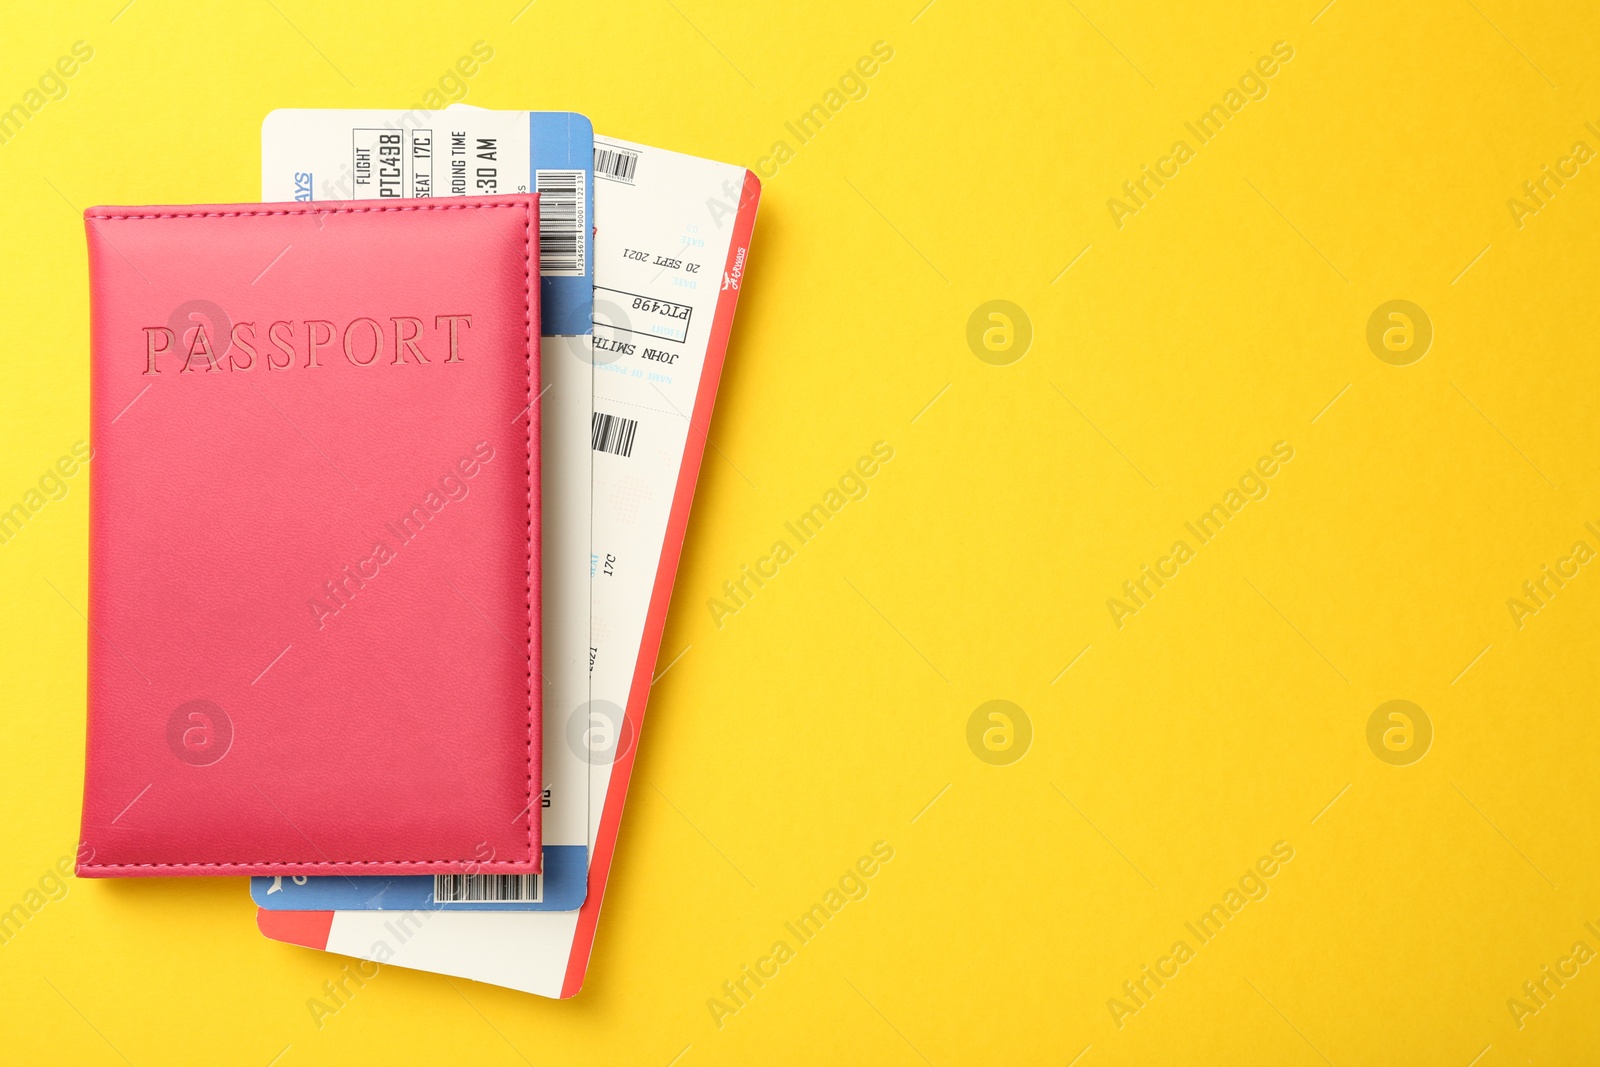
x=564 y=140
x=566 y=871
x=557 y=140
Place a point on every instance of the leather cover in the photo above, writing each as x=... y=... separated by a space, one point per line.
x=314 y=523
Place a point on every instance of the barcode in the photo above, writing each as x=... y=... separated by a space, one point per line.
x=612 y=433
x=562 y=223
x=615 y=163
x=487 y=888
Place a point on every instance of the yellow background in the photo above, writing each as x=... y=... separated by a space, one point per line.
x=828 y=713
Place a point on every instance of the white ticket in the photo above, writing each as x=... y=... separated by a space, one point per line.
x=671 y=244
x=329 y=154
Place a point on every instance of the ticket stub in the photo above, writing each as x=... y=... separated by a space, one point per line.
x=317 y=154
x=673 y=233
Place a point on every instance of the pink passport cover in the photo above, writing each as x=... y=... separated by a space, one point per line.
x=314 y=523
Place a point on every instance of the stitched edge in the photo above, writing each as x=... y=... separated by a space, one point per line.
x=527 y=315
x=532 y=605
x=482 y=865
x=302 y=211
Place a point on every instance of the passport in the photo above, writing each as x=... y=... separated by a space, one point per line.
x=314 y=577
